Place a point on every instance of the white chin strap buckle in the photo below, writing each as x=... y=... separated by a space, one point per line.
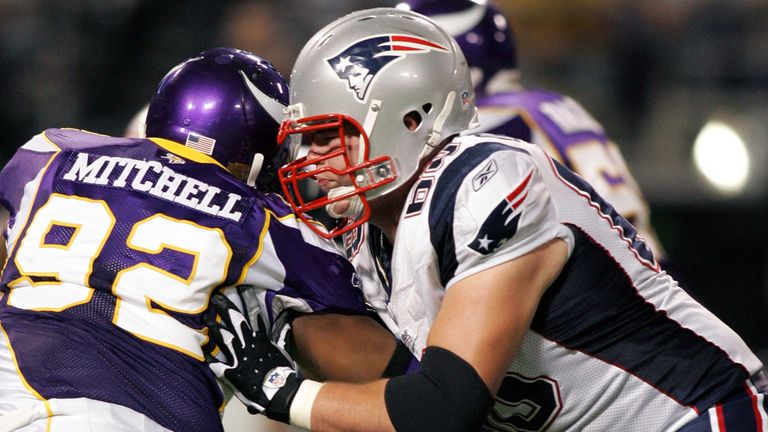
x=350 y=207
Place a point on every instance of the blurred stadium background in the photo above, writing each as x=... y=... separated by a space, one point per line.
x=662 y=76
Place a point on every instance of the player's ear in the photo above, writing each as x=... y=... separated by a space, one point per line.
x=412 y=120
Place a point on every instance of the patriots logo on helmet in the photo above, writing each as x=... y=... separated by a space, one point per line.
x=501 y=224
x=359 y=63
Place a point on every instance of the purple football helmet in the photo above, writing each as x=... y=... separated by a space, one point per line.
x=481 y=30
x=226 y=103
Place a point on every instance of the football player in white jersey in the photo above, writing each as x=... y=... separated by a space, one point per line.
x=531 y=303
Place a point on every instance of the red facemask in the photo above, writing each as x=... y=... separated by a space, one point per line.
x=363 y=176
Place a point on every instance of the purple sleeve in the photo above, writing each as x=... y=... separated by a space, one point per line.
x=301 y=270
x=324 y=279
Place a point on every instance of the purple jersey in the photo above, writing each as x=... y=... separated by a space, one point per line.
x=115 y=246
x=566 y=131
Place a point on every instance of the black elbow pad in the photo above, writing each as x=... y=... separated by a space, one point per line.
x=447 y=395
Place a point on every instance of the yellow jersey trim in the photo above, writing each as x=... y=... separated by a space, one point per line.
x=184 y=151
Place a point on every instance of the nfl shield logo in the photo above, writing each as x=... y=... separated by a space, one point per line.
x=465 y=99
x=276 y=379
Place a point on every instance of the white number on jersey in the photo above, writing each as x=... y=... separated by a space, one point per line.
x=61 y=272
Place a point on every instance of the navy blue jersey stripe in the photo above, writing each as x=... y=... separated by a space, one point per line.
x=638 y=244
x=444 y=200
x=741 y=411
x=593 y=307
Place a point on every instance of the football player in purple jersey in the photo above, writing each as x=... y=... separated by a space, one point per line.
x=116 y=245
x=530 y=301
x=556 y=122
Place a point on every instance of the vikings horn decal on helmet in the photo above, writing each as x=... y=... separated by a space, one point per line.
x=481 y=30
x=359 y=63
x=228 y=104
x=386 y=65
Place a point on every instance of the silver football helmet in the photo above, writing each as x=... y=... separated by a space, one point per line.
x=370 y=71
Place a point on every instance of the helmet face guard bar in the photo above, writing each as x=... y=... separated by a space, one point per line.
x=357 y=177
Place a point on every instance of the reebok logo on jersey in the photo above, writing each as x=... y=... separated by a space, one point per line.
x=502 y=223
x=489 y=170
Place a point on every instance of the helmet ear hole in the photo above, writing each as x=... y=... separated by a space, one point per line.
x=412 y=120
x=427 y=107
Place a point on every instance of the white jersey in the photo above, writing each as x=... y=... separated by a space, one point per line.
x=614 y=345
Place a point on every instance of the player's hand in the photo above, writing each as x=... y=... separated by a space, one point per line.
x=261 y=374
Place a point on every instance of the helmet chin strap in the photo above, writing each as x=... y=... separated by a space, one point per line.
x=355 y=205
x=258 y=161
x=436 y=133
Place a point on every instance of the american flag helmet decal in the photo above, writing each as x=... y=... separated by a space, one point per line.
x=200 y=143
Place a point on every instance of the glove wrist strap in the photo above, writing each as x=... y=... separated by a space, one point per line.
x=280 y=402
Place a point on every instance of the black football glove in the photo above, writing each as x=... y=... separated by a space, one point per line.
x=260 y=373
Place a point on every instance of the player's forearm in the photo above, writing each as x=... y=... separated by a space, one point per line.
x=447 y=395
x=336 y=347
x=351 y=407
